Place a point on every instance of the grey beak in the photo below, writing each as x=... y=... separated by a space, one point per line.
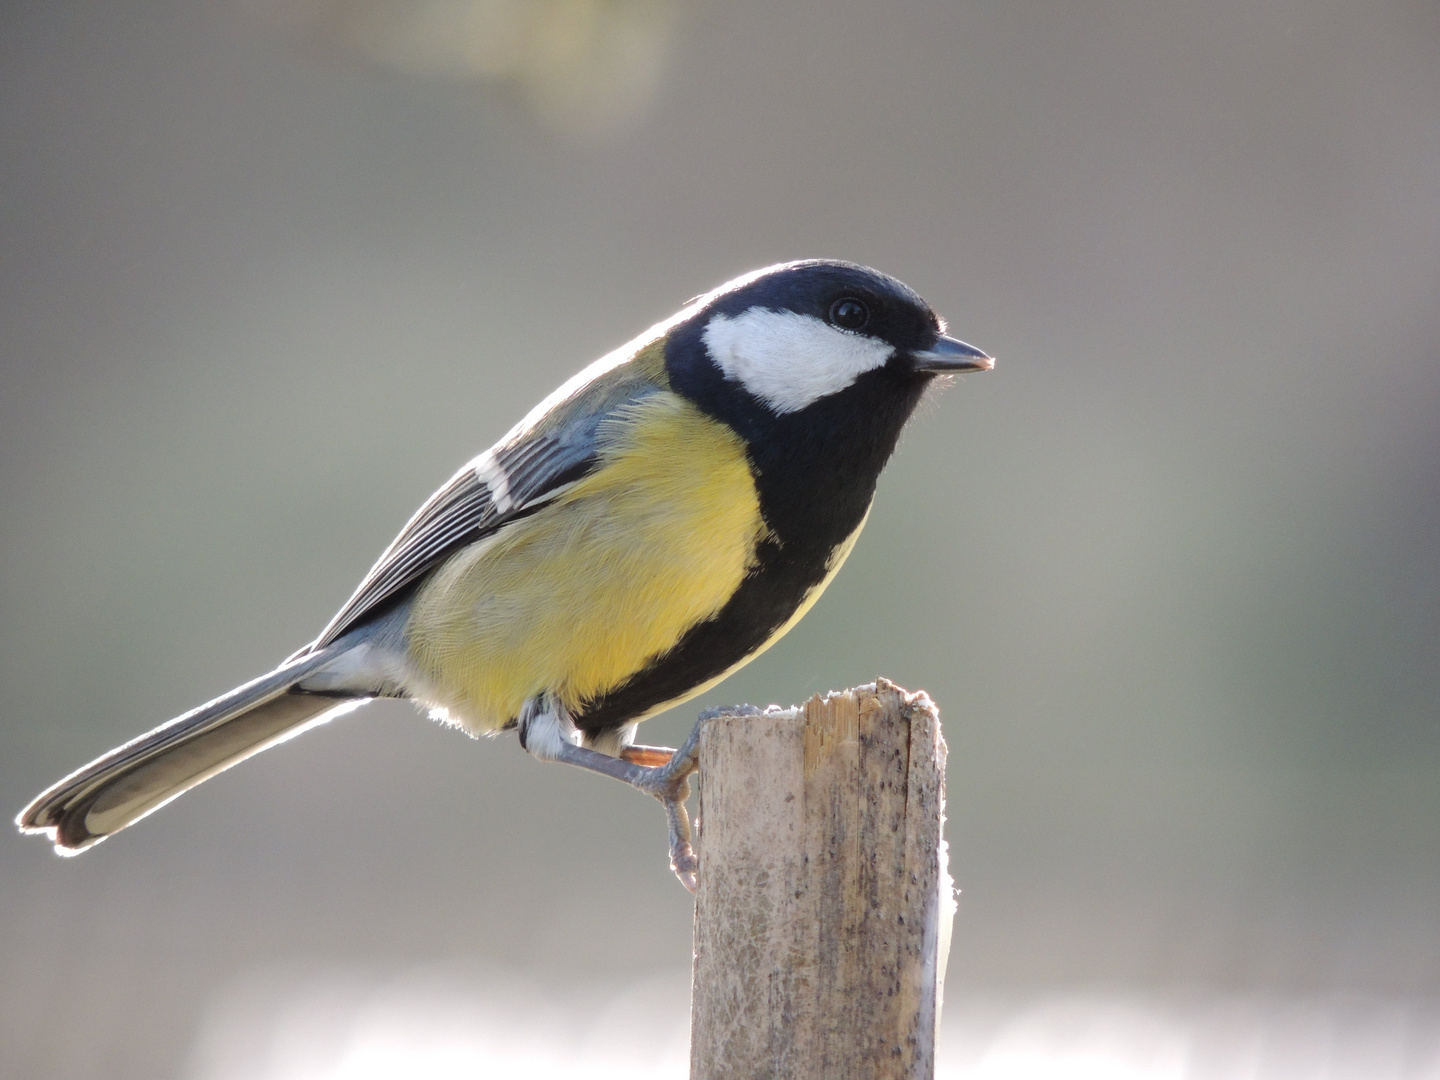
x=949 y=354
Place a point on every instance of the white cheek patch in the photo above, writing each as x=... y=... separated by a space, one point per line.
x=788 y=360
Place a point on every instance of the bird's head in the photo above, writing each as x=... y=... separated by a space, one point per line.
x=788 y=338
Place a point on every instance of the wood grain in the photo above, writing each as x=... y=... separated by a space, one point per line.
x=825 y=903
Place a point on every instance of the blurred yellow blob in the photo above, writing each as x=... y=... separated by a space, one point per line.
x=582 y=67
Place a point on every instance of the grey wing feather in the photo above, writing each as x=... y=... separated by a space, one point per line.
x=514 y=478
x=461 y=511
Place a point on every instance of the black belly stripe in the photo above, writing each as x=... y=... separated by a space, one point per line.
x=778 y=585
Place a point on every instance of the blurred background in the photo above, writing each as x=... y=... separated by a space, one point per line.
x=271 y=270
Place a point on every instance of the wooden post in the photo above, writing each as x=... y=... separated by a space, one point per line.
x=823 y=916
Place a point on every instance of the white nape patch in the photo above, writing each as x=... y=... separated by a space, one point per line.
x=789 y=360
x=492 y=474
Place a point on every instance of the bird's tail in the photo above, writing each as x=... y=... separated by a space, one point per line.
x=143 y=775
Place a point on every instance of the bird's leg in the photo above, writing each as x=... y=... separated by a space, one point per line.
x=545 y=732
x=670 y=783
x=647 y=755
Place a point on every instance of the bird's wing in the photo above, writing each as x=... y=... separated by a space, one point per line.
x=557 y=445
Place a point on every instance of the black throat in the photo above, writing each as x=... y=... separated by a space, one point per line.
x=816 y=469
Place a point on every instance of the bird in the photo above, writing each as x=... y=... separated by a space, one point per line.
x=654 y=524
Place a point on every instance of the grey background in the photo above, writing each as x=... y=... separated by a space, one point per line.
x=1172 y=571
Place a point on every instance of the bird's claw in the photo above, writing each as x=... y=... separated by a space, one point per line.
x=685 y=865
x=670 y=783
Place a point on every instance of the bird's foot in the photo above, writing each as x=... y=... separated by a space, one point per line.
x=661 y=772
x=670 y=783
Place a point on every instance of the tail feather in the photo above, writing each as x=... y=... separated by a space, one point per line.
x=143 y=775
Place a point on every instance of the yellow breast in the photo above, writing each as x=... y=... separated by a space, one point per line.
x=582 y=594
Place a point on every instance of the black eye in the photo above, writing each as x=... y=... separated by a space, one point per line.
x=849 y=313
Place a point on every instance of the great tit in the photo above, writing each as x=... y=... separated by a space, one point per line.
x=658 y=521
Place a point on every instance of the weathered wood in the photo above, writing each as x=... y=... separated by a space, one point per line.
x=823 y=916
